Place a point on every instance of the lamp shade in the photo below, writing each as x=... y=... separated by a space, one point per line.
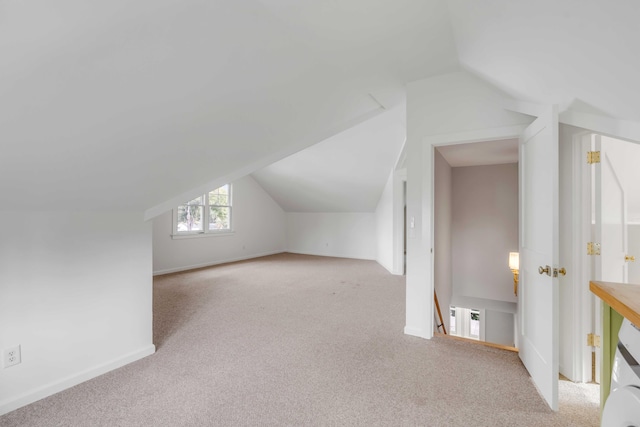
x=514 y=260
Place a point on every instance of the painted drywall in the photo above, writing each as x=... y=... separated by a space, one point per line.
x=384 y=226
x=345 y=235
x=258 y=229
x=513 y=43
x=449 y=107
x=75 y=294
x=484 y=229
x=442 y=235
x=344 y=173
x=275 y=78
x=483 y=303
x=627 y=171
x=499 y=327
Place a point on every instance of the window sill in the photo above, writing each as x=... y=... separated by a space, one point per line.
x=201 y=235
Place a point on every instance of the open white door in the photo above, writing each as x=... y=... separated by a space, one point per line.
x=538 y=297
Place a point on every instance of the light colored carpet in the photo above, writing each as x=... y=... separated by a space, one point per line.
x=300 y=340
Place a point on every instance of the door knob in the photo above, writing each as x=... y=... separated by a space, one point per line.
x=629 y=258
x=544 y=270
x=562 y=271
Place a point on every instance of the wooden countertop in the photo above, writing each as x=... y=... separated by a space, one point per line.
x=623 y=298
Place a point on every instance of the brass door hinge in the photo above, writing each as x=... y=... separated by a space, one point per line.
x=593 y=248
x=593 y=340
x=593 y=157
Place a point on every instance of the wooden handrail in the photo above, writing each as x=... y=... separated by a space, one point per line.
x=623 y=298
x=435 y=298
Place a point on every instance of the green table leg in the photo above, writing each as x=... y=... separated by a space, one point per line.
x=611 y=322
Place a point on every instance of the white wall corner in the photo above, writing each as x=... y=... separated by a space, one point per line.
x=523 y=107
x=217 y=262
x=417 y=332
x=167 y=205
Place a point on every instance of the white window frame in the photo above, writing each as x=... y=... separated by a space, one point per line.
x=205 y=232
x=463 y=323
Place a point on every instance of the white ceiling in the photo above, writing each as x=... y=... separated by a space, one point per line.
x=581 y=54
x=126 y=104
x=481 y=153
x=345 y=173
x=132 y=104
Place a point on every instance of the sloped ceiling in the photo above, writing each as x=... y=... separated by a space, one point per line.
x=126 y=104
x=132 y=104
x=345 y=173
x=579 y=54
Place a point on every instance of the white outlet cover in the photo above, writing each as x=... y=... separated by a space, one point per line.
x=11 y=356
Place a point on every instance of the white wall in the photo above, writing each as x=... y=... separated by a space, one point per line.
x=76 y=294
x=384 y=226
x=498 y=327
x=627 y=171
x=440 y=109
x=259 y=229
x=346 y=235
x=484 y=230
x=442 y=235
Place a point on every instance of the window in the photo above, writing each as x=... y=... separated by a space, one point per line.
x=466 y=322
x=206 y=214
x=474 y=324
x=452 y=320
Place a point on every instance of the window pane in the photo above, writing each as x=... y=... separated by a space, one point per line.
x=190 y=218
x=452 y=320
x=220 y=196
x=474 y=324
x=219 y=218
x=196 y=201
x=218 y=199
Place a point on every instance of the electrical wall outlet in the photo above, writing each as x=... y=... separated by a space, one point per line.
x=11 y=356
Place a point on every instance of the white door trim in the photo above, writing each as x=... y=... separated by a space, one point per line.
x=581 y=200
x=399 y=178
x=428 y=145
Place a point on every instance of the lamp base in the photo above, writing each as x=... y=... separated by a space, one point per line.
x=515 y=282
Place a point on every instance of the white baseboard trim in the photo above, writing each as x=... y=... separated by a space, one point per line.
x=75 y=379
x=415 y=332
x=329 y=255
x=389 y=268
x=216 y=262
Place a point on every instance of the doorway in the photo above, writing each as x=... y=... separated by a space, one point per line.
x=475 y=229
x=611 y=222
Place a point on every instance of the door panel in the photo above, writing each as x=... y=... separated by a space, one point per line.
x=538 y=300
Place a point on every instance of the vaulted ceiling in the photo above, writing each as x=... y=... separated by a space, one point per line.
x=344 y=173
x=123 y=104
x=580 y=54
x=127 y=104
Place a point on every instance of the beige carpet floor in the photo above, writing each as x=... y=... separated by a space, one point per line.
x=298 y=340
